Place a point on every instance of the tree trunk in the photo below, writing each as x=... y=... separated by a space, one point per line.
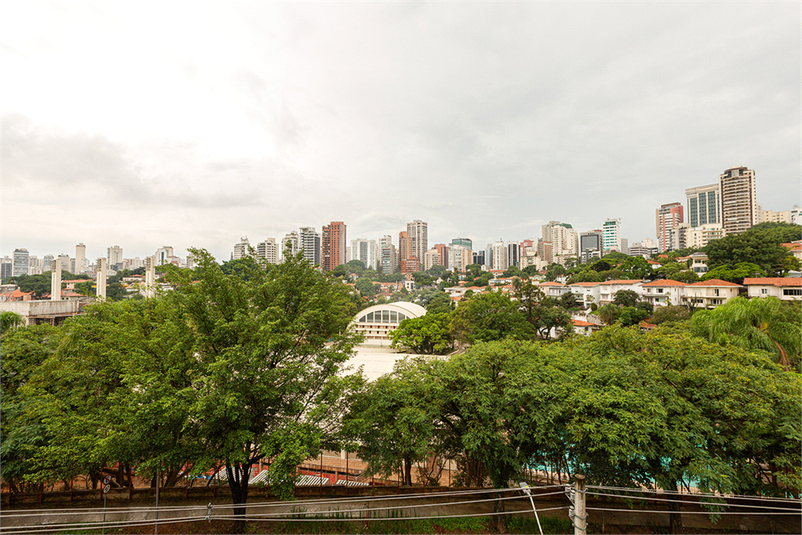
x=500 y=520
x=238 y=483
x=675 y=515
x=407 y=471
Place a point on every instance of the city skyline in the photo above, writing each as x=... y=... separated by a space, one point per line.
x=484 y=120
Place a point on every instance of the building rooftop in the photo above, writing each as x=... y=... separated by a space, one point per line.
x=773 y=281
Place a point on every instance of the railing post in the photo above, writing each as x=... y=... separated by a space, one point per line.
x=581 y=517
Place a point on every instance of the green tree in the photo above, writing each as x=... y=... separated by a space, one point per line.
x=631 y=316
x=355 y=266
x=670 y=314
x=422 y=279
x=490 y=316
x=429 y=334
x=391 y=423
x=439 y=302
x=554 y=271
x=766 y=323
x=269 y=346
x=366 y=287
x=10 y=320
x=735 y=273
x=586 y=275
x=437 y=271
x=22 y=351
x=626 y=298
x=608 y=313
x=759 y=245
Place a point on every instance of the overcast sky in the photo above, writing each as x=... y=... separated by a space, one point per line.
x=144 y=124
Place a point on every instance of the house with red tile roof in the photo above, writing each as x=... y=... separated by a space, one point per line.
x=608 y=289
x=585 y=328
x=16 y=295
x=711 y=293
x=785 y=288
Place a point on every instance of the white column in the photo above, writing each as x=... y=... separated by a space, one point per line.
x=55 y=280
x=102 y=270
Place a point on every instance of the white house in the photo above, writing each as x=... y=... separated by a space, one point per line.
x=785 y=288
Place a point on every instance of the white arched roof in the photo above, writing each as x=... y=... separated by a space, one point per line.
x=410 y=310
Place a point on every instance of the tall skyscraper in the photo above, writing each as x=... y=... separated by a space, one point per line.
x=309 y=245
x=268 y=250
x=564 y=240
x=500 y=258
x=704 y=205
x=20 y=262
x=739 y=209
x=667 y=217
x=405 y=249
x=442 y=249
x=591 y=241
x=513 y=254
x=333 y=247
x=418 y=231
x=611 y=235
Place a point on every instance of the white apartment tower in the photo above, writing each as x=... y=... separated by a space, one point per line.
x=241 y=248
x=290 y=244
x=309 y=245
x=268 y=250
x=389 y=258
x=366 y=251
x=114 y=255
x=81 y=264
x=20 y=262
x=739 y=208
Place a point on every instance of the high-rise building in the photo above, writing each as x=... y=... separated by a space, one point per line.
x=389 y=258
x=667 y=217
x=545 y=251
x=461 y=256
x=431 y=258
x=6 y=267
x=500 y=258
x=405 y=249
x=466 y=242
x=479 y=259
x=20 y=262
x=366 y=251
x=591 y=241
x=333 y=253
x=81 y=263
x=704 y=205
x=564 y=240
x=268 y=250
x=114 y=255
x=163 y=255
x=738 y=200
x=309 y=245
x=64 y=260
x=290 y=244
x=442 y=249
x=241 y=248
x=770 y=216
x=513 y=254
x=418 y=232
x=611 y=235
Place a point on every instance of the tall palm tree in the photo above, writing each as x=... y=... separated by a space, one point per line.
x=761 y=323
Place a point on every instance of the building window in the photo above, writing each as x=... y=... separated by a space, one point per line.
x=764 y=291
x=715 y=292
x=792 y=291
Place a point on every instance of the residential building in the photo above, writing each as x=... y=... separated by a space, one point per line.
x=268 y=250
x=700 y=236
x=241 y=249
x=667 y=217
x=665 y=292
x=405 y=251
x=333 y=246
x=81 y=263
x=431 y=258
x=466 y=242
x=785 y=288
x=500 y=259
x=704 y=205
x=608 y=289
x=513 y=254
x=389 y=258
x=564 y=240
x=162 y=255
x=366 y=251
x=64 y=260
x=477 y=258
x=460 y=257
x=611 y=235
x=591 y=241
x=739 y=209
x=645 y=248
x=699 y=263
x=309 y=245
x=290 y=244
x=545 y=251
x=418 y=232
x=768 y=216
x=796 y=215
x=20 y=262
x=114 y=255
x=711 y=293
x=6 y=267
x=442 y=249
